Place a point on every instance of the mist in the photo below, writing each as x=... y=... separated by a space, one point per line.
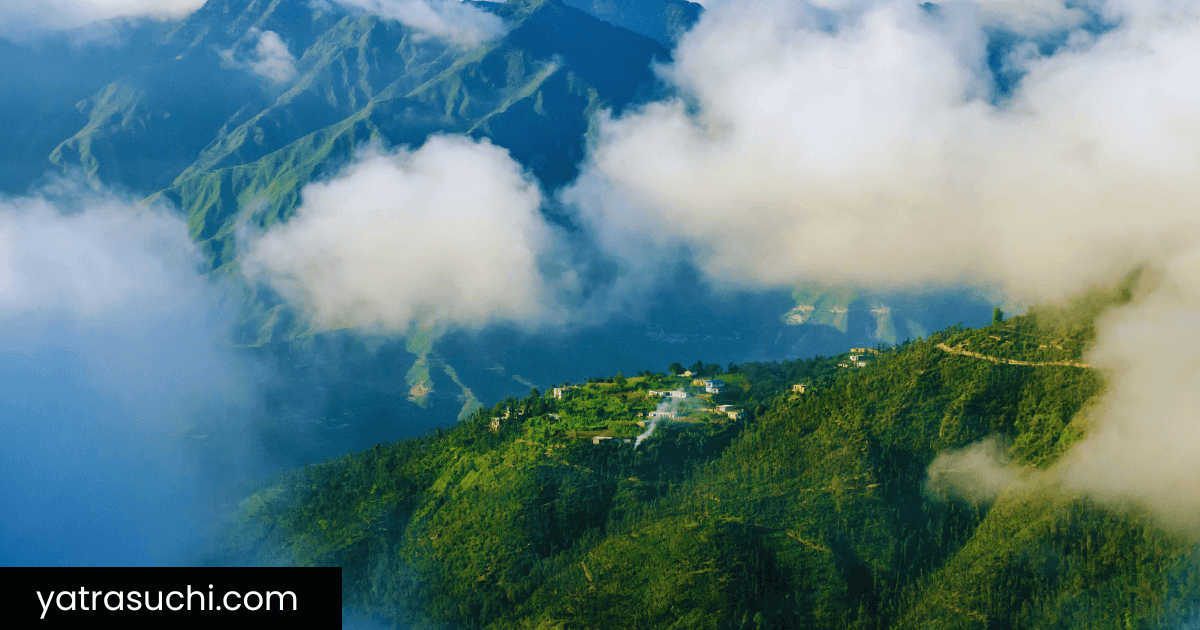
x=978 y=473
x=122 y=405
x=1031 y=150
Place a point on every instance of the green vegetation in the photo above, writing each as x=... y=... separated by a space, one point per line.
x=811 y=512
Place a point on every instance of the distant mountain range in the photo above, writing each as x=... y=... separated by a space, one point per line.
x=193 y=111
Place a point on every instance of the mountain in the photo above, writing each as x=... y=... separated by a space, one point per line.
x=179 y=111
x=532 y=92
x=812 y=511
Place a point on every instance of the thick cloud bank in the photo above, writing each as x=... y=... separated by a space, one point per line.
x=451 y=20
x=1041 y=147
x=871 y=153
x=448 y=233
x=111 y=360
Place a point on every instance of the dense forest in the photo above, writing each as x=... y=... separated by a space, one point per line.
x=809 y=509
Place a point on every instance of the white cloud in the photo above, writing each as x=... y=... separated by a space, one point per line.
x=870 y=153
x=450 y=20
x=272 y=59
x=18 y=18
x=448 y=233
x=1144 y=439
x=269 y=59
x=90 y=263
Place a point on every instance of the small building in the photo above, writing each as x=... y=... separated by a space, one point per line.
x=559 y=392
x=677 y=393
x=735 y=414
x=801 y=388
x=687 y=373
x=698 y=382
x=495 y=424
x=860 y=350
x=596 y=439
x=715 y=386
x=663 y=415
x=724 y=408
x=861 y=364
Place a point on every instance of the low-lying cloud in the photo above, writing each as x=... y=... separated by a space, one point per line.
x=450 y=20
x=1143 y=442
x=114 y=376
x=978 y=473
x=269 y=59
x=1039 y=147
x=450 y=233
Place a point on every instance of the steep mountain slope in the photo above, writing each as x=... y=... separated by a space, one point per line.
x=532 y=92
x=814 y=513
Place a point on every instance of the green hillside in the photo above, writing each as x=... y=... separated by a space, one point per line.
x=811 y=511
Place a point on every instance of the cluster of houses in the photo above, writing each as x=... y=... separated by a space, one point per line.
x=859 y=357
x=713 y=386
x=727 y=410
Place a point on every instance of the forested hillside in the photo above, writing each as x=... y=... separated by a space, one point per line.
x=813 y=510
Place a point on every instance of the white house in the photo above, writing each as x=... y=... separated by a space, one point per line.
x=714 y=386
x=669 y=415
